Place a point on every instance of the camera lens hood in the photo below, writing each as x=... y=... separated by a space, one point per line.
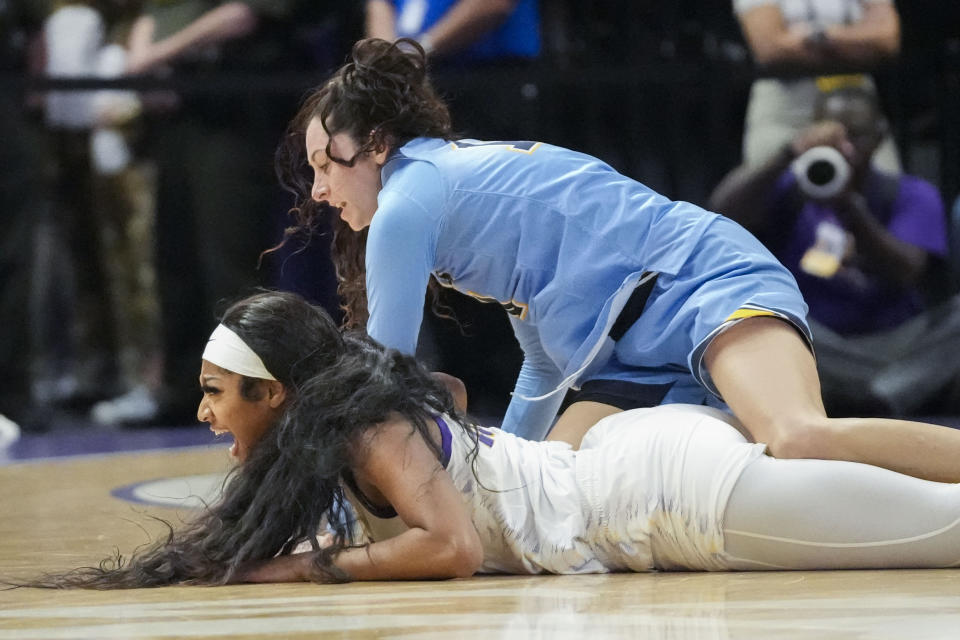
x=822 y=172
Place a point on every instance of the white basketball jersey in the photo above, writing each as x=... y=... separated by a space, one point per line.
x=634 y=497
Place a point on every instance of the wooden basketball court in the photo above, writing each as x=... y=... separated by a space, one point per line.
x=58 y=514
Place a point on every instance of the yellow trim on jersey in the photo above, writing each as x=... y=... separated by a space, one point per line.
x=505 y=145
x=740 y=314
x=510 y=305
x=526 y=151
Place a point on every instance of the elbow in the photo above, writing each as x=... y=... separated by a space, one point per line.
x=911 y=270
x=912 y=276
x=456 y=388
x=719 y=204
x=778 y=49
x=462 y=556
x=771 y=50
x=888 y=40
x=726 y=195
x=884 y=43
x=470 y=556
x=765 y=56
x=890 y=46
x=501 y=9
x=242 y=18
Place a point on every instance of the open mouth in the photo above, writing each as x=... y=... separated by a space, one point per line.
x=233 y=447
x=332 y=208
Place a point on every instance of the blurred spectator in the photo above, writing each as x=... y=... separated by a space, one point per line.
x=864 y=260
x=217 y=196
x=483 y=38
x=955 y=243
x=476 y=36
x=96 y=255
x=460 y=31
x=793 y=41
x=24 y=186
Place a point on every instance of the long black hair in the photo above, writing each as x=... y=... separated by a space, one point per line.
x=339 y=386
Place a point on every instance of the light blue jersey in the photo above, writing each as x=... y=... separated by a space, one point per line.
x=561 y=240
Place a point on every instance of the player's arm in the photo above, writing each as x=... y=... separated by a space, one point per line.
x=399 y=258
x=538 y=376
x=441 y=541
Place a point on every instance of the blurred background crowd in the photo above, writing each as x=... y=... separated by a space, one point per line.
x=137 y=192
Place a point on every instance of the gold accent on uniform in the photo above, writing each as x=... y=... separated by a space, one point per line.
x=526 y=151
x=740 y=314
x=826 y=84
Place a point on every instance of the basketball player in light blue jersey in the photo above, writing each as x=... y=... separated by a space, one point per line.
x=608 y=284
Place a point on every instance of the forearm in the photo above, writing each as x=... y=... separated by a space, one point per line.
x=772 y=43
x=538 y=376
x=799 y=48
x=224 y=23
x=880 y=251
x=416 y=554
x=873 y=39
x=790 y=49
x=141 y=34
x=467 y=22
x=744 y=193
x=529 y=418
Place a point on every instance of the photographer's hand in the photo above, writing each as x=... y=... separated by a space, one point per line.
x=825 y=133
x=877 y=250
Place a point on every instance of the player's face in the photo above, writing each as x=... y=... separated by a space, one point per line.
x=227 y=411
x=351 y=189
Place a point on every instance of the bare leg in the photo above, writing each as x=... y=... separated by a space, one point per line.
x=768 y=377
x=577 y=420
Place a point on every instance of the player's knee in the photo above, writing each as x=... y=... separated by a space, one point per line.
x=810 y=437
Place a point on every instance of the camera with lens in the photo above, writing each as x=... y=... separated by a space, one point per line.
x=822 y=172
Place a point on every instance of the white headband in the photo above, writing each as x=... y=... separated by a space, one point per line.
x=226 y=349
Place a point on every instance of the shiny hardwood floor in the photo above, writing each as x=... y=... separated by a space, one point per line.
x=58 y=514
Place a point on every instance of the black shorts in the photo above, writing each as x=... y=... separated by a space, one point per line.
x=621 y=394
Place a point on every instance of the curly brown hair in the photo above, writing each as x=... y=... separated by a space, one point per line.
x=383 y=98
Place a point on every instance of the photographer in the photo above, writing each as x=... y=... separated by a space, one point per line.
x=864 y=247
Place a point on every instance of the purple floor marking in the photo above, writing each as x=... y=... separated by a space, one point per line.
x=67 y=443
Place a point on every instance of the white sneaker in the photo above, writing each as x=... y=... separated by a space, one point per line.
x=9 y=431
x=137 y=405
